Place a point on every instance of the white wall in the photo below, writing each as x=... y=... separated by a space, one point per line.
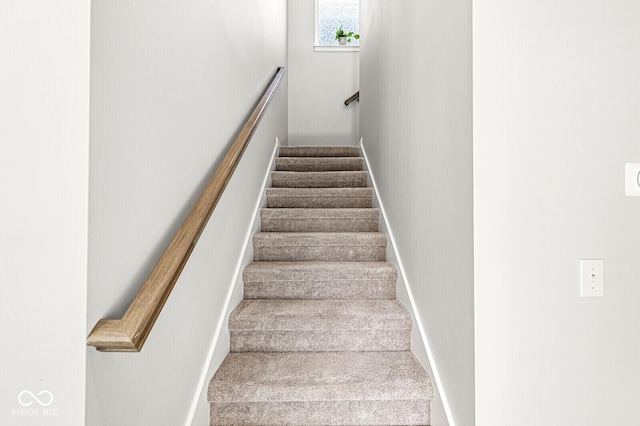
x=438 y=415
x=556 y=101
x=319 y=83
x=44 y=160
x=172 y=82
x=416 y=123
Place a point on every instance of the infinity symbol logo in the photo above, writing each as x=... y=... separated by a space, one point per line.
x=44 y=403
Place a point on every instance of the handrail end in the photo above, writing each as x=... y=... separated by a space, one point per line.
x=110 y=335
x=354 y=97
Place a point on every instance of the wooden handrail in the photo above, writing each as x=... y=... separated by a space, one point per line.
x=354 y=97
x=129 y=333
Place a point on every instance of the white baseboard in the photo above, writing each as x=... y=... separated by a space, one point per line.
x=403 y=276
x=224 y=315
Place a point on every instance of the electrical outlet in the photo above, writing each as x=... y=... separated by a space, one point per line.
x=632 y=179
x=591 y=277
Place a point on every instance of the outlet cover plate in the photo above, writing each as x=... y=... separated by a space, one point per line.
x=591 y=277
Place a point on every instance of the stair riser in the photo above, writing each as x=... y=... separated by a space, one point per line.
x=317 y=290
x=320 y=340
x=320 y=225
x=401 y=412
x=318 y=202
x=319 y=151
x=319 y=198
x=319 y=180
x=314 y=280
x=319 y=164
x=320 y=254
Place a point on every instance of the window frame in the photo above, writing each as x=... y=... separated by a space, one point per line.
x=316 y=42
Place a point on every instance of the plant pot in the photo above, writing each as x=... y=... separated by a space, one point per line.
x=342 y=41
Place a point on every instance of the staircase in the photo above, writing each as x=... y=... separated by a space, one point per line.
x=320 y=337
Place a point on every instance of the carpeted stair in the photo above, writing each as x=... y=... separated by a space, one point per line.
x=320 y=337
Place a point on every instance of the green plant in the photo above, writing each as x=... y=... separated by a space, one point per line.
x=342 y=33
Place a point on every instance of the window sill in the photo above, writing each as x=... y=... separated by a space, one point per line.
x=336 y=48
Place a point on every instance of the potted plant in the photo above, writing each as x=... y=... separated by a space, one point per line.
x=344 y=37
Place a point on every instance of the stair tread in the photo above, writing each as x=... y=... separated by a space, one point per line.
x=326 y=376
x=331 y=179
x=319 y=175
x=305 y=239
x=329 y=213
x=301 y=164
x=319 y=219
x=319 y=151
x=361 y=197
x=269 y=314
x=299 y=271
x=320 y=192
x=320 y=246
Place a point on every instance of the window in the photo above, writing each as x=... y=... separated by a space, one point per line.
x=333 y=14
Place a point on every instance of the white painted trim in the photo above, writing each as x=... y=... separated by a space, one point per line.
x=315 y=26
x=423 y=335
x=336 y=48
x=236 y=274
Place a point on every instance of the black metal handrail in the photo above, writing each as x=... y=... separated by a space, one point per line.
x=354 y=97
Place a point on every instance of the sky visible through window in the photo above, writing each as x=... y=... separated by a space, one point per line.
x=335 y=13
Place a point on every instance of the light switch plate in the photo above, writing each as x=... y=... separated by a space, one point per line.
x=632 y=179
x=591 y=277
